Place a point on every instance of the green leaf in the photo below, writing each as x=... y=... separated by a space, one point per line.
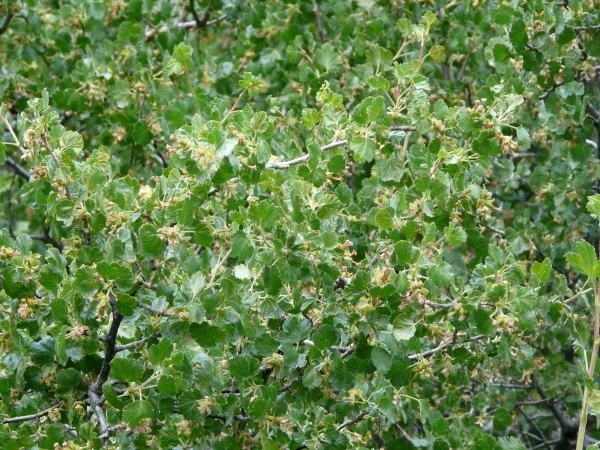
x=72 y=141
x=369 y=110
x=149 y=243
x=403 y=329
x=126 y=304
x=593 y=205
x=405 y=253
x=181 y=60
x=126 y=369
x=327 y=58
x=384 y=218
x=136 y=411
x=86 y=282
x=501 y=53
x=518 y=34
x=251 y=82
x=382 y=360
x=541 y=271
x=584 y=260
x=594 y=402
x=502 y=419
x=264 y=214
x=60 y=346
x=455 y=235
x=295 y=328
x=158 y=353
x=121 y=275
x=363 y=148
x=243 y=366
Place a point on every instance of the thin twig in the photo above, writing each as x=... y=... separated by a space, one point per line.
x=319 y=20
x=111 y=430
x=555 y=441
x=11 y=163
x=134 y=344
x=183 y=26
x=536 y=402
x=444 y=346
x=234 y=107
x=351 y=422
x=566 y=425
x=16 y=168
x=35 y=416
x=551 y=89
x=153 y=310
x=511 y=386
x=587 y=27
x=6 y=22
x=577 y=295
x=535 y=427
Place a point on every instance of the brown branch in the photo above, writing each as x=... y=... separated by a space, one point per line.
x=6 y=22
x=351 y=422
x=511 y=386
x=587 y=27
x=16 y=168
x=11 y=163
x=134 y=344
x=200 y=21
x=319 y=20
x=555 y=441
x=535 y=427
x=95 y=391
x=111 y=430
x=182 y=25
x=443 y=346
x=551 y=89
x=35 y=416
x=567 y=426
x=154 y=310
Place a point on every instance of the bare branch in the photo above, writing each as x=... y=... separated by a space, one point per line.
x=6 y=22
x=182 y=25
x=511 y=386
x=235 y=106
x=111 y=430
x=35 y=416
x=319 y=20
x=535 y=427
x=200 y=22
x=543 y=444
x=154 y=310
x=134 y=344
x=587 y=27
x=11 y=163
x=351 y=422
x=567 y=426
x=95 y=391
x=405 y=128
x=16 y=168
x=443 y=346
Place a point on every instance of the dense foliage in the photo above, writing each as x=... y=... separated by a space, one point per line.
x=335 y=224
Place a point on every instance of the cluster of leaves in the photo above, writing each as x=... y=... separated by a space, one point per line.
x=272 y=224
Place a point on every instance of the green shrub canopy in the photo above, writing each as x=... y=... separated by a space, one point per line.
x=236 y=224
